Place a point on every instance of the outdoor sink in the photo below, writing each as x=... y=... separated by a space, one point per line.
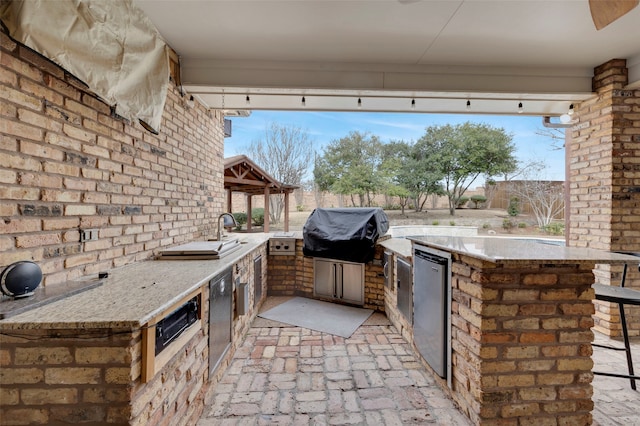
x=201 y=249
x=223 y=245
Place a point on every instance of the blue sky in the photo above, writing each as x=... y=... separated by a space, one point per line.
x=324 y=127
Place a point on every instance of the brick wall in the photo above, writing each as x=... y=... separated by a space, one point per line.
x=605 y=182
x=175 y=395
x=374 y=281
x=290 y=275
x=67 y=163
x=67 y=376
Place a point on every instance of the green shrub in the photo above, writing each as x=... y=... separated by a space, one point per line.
x=514 y=206
x=452 y=223
x=257 y=216
x=392 y=207
x=507 y=224
x=241 y=218
x=486 y=226
x=478 y=200
x=300 y=208
x=522 y=225
x=435 y=223
x=461 y=202
x=554 y=228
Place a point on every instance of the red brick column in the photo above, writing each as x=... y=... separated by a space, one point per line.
x=604 y=180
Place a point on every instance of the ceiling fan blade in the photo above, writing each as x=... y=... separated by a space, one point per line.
x=605 y=12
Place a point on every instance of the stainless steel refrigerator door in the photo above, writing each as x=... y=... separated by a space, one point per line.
x=430 y=315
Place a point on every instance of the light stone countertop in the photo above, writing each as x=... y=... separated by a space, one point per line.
x=520 y=250
x=132 y=295
x=401 y=246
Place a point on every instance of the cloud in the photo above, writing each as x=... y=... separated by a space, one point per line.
x=414 y=127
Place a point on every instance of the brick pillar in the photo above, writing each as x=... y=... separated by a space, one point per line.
x=604 y=180
x=521 y=342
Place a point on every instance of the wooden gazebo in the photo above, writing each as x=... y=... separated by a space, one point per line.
x=243 y=175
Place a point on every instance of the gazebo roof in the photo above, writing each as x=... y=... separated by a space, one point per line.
x=243 y=175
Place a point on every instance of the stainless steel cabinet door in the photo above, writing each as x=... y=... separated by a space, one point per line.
x=220 y=289
x=339 y=280
x=324 y=283
x=405 y=289
x=352 y=285
x=257 y=280
x=387 y=268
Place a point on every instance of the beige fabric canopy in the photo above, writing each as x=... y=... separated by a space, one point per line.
x=112 y=47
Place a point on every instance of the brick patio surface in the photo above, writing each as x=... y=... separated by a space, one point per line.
x=285 y=375
x=295 y=376
x=616 y=404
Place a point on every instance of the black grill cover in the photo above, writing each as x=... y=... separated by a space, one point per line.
x=348 y=234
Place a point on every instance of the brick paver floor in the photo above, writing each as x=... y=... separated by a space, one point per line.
x=615 y=403
x=295 y=376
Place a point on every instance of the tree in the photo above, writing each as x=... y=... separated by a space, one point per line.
x=521 y=169
x=557 y=137
x=285 y=153
x=545 y=197
x=350 y=166
x=417 y=173
x=392 y=163
x=463 y=152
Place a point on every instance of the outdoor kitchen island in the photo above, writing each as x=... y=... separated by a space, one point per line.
x=520 y=327
x=94 y=357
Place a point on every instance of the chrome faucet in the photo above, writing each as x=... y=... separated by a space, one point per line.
x=227 y=224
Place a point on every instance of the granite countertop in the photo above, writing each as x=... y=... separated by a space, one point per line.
x=132 y=295
x=400 y=246
x=515 y=250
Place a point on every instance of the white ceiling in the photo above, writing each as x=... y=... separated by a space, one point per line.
x=496 y=54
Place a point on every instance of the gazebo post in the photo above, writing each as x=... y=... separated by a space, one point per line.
x=244 y=176
x=286 y=211
x=249 y=212
x=266 y=209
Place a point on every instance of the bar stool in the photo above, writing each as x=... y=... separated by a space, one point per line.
x=622 y=296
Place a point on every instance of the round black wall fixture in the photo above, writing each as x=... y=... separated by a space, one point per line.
x=20 y=279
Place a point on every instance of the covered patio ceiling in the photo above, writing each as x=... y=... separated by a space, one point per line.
x=453 y=56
